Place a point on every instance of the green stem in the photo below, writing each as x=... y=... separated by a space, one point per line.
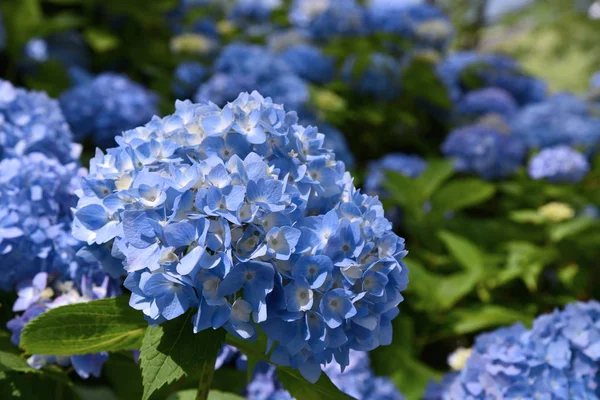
x=206 y=377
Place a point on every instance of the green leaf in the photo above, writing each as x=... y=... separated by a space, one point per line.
x=526 y=261
x=291 y=379
x=437 y=172
x=190 y=394
x=100 y=40
x=414 y=375
x=26 y=386
x=486 y=317
x=573 y=227
x=24 y=23
x=172 y=350
x=465 y=252
x=12 y=362
x=460 y=194
x=405 y=191
x=527 y=217
x=124 y=376
x=99 y=325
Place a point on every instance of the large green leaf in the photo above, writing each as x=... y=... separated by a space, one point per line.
x=437 y=172
x=124 y=375
x=172 y=350
x=291 y=379
x=463 y=251
x=99 y=325
x=190 y=394
x=525 y=261
x=570 y=228
x=12 y=362
x=460 y=194
x=405 y=191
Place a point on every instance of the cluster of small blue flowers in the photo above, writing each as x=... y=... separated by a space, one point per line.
x=408 y=165
x=309 y=63
x=485 y=150
x=381 y=78
x=106 y=106
x=36 y=195
x=424 y=25
x=32 y=122
x=482 y=102
x=188 y=76
x=357 y=380
x=254 y=10
x=41 y=294
x=559 y=164
x=240 y=213
x=465 y=71
x=562 y=119
x=242 y=67
x=323 y=19
x=559 y=358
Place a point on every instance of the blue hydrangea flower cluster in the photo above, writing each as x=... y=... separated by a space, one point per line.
x=334 y=139
x=381 y=78
x=559 y=358
x=41 y=294
x=465 y=71
x=482 y=102
x=188 y=77
x=36 y=196
x=242 y=67
x=106 y=106
x=485 y=150
x=559 y=164
x=423 y=24
x=324 y=19
x=563 y=119
x=309 y=63
x=357 y=380
x=240 y=213
x=254 y=10
x=408 y=165
x=32 y=122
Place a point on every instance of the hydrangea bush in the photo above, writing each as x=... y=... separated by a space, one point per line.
x=240 y=213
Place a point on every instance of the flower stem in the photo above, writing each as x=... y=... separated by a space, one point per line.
x=206 y=377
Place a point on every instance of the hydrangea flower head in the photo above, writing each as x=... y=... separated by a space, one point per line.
x=36 y=194
x=423 y=24
x=559 y=358
x=240 y=214
x=32 y=122
x=242 y=67
x=324 y=19
x=188 y=76
x=561 y=120
x=486 y=101
x=380 y=78
x=254 y=10
x=309 y=63
x=485 y=151
x=559 y=164
x=106 y=106
x=408 y=165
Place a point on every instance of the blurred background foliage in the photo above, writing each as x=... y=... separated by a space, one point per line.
x=483 y=252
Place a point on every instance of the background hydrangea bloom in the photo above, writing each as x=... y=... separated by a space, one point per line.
x=324 y=19
x=188 y=76
x=309 y=63
x=32 y=122
x=559 y=358
x=485 y=151
x=209 y=201
x=561 y=120
x=559 y=164
x=36 y=194
x=106 y=106
x=486 y=101
x=380 y=78
x=242 y=67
